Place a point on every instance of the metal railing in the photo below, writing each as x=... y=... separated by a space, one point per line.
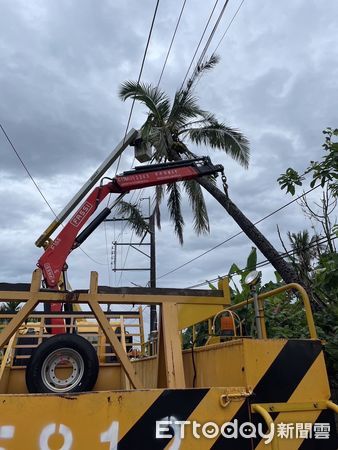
x=128 y=328
x=261 y=298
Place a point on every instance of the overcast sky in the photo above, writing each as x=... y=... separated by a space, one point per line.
x=61 y=65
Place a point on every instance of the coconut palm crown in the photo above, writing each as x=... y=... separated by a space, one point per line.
x=170 y=127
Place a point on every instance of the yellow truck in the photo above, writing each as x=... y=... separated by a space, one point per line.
x=235 y=392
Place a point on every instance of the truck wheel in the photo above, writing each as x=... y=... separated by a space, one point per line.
x=63 y=363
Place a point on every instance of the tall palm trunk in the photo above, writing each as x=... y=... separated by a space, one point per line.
x=285 y=270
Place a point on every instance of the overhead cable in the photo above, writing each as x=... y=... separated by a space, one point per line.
x=199 y=43
x=227 y=29
x=235 y=235
x=321 y=241
x=140 y=74
x=171 y=43
x=207 y=44
x=37 y=187
x=26 y=169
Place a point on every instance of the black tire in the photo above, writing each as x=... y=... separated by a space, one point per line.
x=77 y=351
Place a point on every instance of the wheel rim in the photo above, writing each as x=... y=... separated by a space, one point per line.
x=63 y=357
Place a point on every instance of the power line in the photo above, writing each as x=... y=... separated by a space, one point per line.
x=219 y=43
x=230 y=23
x=235 y=235
x=266 y=262
x=37 y=187
x=207 y=44
x=199 y=43
x=172 y=41
x=26 y=169
x=140 y=74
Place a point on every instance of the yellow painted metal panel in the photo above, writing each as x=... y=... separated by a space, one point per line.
x=188 y=315
x=259 y=354
x=313 y=387
x=83 y=418
x=92 y=421
x=216 y=365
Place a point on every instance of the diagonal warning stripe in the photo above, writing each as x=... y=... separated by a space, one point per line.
x=312 y=443
x=313 y=387
x=178 y=403
x=287 y=371
x=277 y=385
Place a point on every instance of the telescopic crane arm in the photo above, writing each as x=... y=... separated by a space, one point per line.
x=129 y=139
x=53 y=260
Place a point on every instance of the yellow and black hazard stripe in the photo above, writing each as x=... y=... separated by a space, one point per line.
x=178 y=403
x=288 y=378
x=311 y=443
x=278 y=384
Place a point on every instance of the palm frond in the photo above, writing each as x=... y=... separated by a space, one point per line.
x=134 y=216
x=174 y=207
x=184 y=107
x=152 y=97
x=159 y=138
x=194 y=123
x=159 y=194
x=305 y=248
x=219 y=136
x=201 y=68
x=196 y=199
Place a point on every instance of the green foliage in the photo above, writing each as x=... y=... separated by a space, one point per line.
x=211 y=286
x=326 y=276
x=326 y=283
x=284 y=313
x=327 y=328
x=201 y=335
x=241 y=293
x=323 y=172
x=10 y=307
x=134 y=216
x=174 y=204
x=289 y=180
x=196 y=200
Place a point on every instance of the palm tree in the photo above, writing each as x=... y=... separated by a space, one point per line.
x=305 y=250
x=168 y=128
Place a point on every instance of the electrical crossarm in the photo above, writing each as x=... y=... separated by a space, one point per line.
x=53 y=261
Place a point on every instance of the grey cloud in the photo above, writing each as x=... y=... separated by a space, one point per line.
x=61 y=67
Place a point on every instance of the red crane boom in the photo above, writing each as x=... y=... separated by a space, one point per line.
x=53 y=261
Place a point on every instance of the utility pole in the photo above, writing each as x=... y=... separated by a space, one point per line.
x=152 y=260
x=153 y=312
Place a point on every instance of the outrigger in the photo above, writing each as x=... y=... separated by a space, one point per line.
x=73 y=378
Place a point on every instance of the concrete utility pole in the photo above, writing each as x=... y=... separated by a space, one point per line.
x=153 y=313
